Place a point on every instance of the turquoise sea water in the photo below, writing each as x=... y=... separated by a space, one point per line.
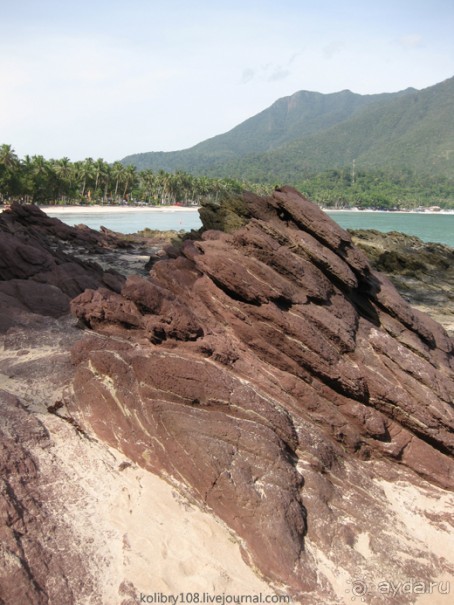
x=429 y=227
x=130 y=222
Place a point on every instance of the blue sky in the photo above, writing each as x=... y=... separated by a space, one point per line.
x=106 y=78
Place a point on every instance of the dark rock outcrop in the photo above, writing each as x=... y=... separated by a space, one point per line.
x=39 y=272
x=264 y=369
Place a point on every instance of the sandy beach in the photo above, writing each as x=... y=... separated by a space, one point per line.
x=115 y=209
x=164 y=208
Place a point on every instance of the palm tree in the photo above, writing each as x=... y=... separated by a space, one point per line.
x=9 y=172
x=182 y=185
x=202 y=187
x=63 y=168
x=161 y=179
x=166 y=181
x=117 y=172
x=41 y=175
x=130 y=176
x=27 y=186
x=148 y=183
x=86 y=174
x=100 y=169
x=65 y=173
x=106 y=177
x=8 y=157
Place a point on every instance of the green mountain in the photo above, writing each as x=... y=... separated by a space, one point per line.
x=309 y=132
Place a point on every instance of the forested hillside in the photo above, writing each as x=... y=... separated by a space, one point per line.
x=308 y=132
x=380 y=151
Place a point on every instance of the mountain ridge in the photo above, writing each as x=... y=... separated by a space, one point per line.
x=307 y=132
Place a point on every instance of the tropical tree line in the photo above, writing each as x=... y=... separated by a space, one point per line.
x=381 y=190
x=34 y=179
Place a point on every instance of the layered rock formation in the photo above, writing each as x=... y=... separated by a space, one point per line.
x=282 y=383
x=39 y=273
x=268 y=374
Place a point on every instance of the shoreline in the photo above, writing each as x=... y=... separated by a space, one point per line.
x=114 y=209
x=371 y=211
x=152 y=209
x=170 y=209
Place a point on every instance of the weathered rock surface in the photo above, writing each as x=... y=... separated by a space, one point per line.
x=285 y=384
x=42 y=560
x=37 y=560
x=38 y=272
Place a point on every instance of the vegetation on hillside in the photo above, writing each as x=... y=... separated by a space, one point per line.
x=35 y=179
x=390 y=150
x=290 y=120
x=380 y=190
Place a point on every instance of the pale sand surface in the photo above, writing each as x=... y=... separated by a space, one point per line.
x=142 y=532
x=99 y=208
x=421 y=519
x=114 y=209
x=420 y=512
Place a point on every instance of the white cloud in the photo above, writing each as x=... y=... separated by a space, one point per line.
x=411 y=41
x=269 y=72
x=248 y=75
x=333 y=48
x=278 y=73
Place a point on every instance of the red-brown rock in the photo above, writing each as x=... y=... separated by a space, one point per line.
x=38 y=272
x=259 y=353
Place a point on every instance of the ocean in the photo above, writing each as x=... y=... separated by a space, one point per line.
x=436 y=227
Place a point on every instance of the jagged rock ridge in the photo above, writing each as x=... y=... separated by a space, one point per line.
x=277 y=378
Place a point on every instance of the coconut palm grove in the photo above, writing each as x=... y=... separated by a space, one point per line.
x=34 y=179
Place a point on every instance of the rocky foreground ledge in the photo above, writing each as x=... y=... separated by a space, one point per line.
x=268 y=373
